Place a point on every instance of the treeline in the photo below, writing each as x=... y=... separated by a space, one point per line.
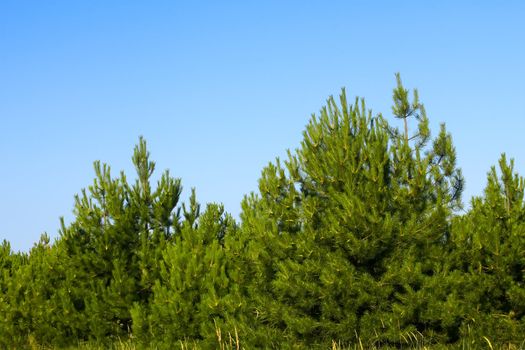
x=358 y=237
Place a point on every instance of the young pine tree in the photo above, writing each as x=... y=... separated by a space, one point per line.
x=115 y=242
x=342 y=239
x=490 y=264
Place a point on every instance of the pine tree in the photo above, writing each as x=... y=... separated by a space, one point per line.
x=127 y=253
x=490 y=241
x=341 y=237
x=114 y=244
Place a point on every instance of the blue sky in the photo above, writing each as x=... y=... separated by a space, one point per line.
x=219 y=89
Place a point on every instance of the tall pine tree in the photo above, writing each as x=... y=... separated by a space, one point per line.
x=341 y=236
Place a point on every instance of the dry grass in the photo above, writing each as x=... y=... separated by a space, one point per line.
x=232 y=342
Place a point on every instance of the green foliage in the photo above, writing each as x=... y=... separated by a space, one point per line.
x=115 y=242
x=490 y=246
x=187 y=298
x=346 y=233
x=12 y=322
x=356 y=239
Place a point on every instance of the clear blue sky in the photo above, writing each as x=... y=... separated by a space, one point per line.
x=220 y=88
